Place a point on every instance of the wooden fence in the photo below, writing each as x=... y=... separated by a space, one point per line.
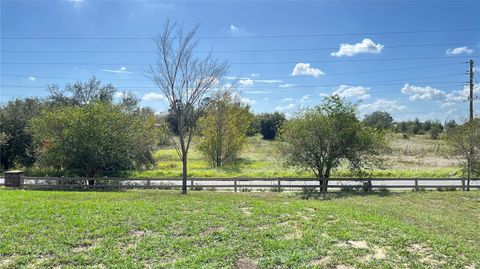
x=249 y=184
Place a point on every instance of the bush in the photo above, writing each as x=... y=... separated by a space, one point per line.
x=270 y=124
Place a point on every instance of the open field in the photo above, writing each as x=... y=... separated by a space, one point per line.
x=418 y=156
x=164 y=229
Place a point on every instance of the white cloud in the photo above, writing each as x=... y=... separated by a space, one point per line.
x=357 y=92
x=459 y=50
x=244 y=99
x=445 y=99
x=153 y=96
x=245 y=82
x=32 y=78
x=305 y=98
x=423 y=93
x=383 y=105
x=286 y=85
x=121 y=70
x=119 y=94
x=266 y=99
x=248 y=101
x=76 y=3
x=305 y=69
x=233 y=28
x=366 y=46
x=285 y=108
x=289 y=99
x=255 y=75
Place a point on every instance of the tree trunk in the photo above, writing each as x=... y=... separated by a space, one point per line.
x=184 y=173
x=324 y=184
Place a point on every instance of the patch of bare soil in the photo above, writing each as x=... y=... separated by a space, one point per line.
x=341 y=266
x=322 y=262
x=246 y=210
x=5 y=261
x=425 y=254
x=211 y=230
x=246 y=263
x=379 y=253
x=354 y=244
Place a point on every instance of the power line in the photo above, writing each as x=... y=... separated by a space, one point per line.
x=254 y=79
x=242 y=37
x=249 y=63
x=264 y=87
x=219 y=51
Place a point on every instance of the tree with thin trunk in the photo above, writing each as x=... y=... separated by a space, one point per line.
x=186 y=81
x=465 y=143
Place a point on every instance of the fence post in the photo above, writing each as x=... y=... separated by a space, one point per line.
x=235 y=185
x=279 y=184
x=191 y=184
x=148 y=183
x=416 y=184
x=13 y=178
x=463 y=184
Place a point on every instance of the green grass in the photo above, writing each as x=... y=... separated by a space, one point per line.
x=164 y=229
x=414 y=157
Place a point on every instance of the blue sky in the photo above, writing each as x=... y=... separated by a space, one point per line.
x=366 y=51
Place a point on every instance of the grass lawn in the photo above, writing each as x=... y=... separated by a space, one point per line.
x=164 y=229
x=418 y=156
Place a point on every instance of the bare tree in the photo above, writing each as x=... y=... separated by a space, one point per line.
x=186 y=81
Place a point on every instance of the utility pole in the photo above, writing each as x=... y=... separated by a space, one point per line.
x=470 y=99
x=471 y=90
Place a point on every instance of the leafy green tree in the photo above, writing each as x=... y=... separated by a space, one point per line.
x=321 y=138
x=16 y=148
x=224 y=128
x=379 y=119
x=435 y=129
x=465 y=142
x=270 y=124
x=93 y=139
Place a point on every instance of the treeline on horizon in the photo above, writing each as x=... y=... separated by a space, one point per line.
x=94 y=129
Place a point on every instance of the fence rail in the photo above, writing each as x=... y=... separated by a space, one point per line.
x=246 y=184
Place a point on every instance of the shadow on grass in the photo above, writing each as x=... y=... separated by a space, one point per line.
x=314 y=194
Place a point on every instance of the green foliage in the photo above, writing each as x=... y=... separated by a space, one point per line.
x=16 y=142
x=82 y=93
x=465 y=143
x=319 y=139
x=93 y=139
x=223 y=129
x=379 y=119
x=270 y=124
x=416 y=127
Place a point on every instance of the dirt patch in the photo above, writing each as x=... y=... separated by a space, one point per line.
x=211 y=230
x=322 y=262
x=295 y=235
x=40 y=260
x=341 y=266
x=378 y=254
x=246 y=263
x=85 y=247
x=424 y=254
x=246 y=210
x=138 y=233
x=358 y=244
x=6 y=260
